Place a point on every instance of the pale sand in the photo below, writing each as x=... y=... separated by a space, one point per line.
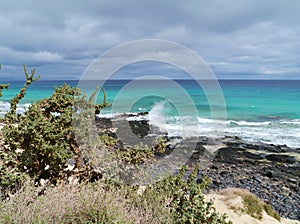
x=225 y=200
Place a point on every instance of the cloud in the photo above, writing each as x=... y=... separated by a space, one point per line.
x=234 y=37
x=15 y=57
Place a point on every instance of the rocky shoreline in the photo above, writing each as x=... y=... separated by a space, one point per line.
x=272 y=172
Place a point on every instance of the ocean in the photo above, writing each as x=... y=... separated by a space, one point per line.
x=256 y=110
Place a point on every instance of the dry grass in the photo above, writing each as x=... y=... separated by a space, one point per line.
x=251 y=204
x=90 y=203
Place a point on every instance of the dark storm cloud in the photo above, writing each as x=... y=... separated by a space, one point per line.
x=235 y=37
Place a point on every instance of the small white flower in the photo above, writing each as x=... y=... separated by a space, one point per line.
x=19 y=150
x=141 y=190
x=70 y=167
x=43 y=182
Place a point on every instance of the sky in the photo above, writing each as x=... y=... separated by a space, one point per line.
x=238 y=39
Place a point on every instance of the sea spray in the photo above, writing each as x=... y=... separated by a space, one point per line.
x=156 y=116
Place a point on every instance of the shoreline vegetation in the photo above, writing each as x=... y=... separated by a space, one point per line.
x=47 y=176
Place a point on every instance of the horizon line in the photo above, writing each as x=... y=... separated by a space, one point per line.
x=13 y=80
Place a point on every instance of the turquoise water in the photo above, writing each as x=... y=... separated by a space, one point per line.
x=267 y=111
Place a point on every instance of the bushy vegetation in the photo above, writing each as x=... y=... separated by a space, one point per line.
x=39 y=142
x=172 y=200
x=10 y=175
x=185 y=199
x=46 y=140
x=36 y=147
x=142 y=152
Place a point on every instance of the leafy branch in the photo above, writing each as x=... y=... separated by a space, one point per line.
x=11 y=114
x=3 y=86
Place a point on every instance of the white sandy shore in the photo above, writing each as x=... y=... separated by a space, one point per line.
x=225 y=200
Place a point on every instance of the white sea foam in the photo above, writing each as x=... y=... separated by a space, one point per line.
x=228 y=122
x=276 y=131
x=293 y=122
x=247 y=123
x=108 y=115
x=5 y=106
x=136 y=118
x=272 y=132
x=212 y=121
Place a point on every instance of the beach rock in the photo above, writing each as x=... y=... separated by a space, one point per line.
x=274 y=180
x=140 y=128
x=253 y=156
x=269 y=174
x=256 y=178
x=281 y=158
x=224 y=173
x=293 y=181
x=264 y=169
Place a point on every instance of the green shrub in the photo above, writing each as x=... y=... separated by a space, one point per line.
x=47 y=139
x=45 y=132
x=136 y=155
x=185 y=199
x=159 y=145
x=11 y=177
x=140 y=153
x=108 y=141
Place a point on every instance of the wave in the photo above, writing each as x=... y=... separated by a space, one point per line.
x=273 y=132
x=292 y=122
x=232 y=122
x=5 y=107
x=212 y=121
x=248 y=123
x=279 y=131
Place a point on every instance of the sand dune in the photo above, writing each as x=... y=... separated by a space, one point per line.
x=230 y=201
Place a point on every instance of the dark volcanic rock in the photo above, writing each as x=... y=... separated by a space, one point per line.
x=281 y=158
x=276 y=180
x=140 y=128
x=253 y=156
x=270 y=174
x=266 y=170
x=231 y=155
